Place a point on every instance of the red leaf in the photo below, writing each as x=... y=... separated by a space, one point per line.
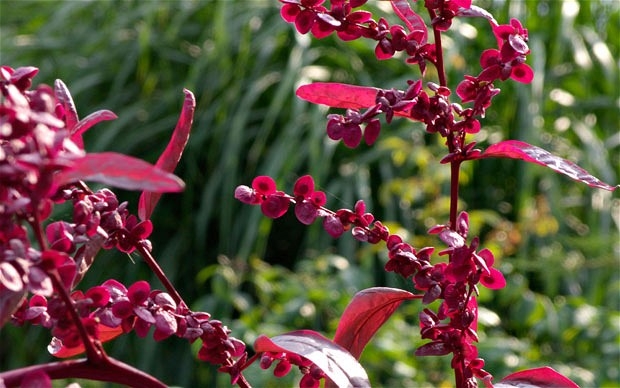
x=515 y=149
x=475 y=11
x=121 y=171
x=85 y=257
x=367 y=311
x=87 y=122
x=338 y=364
x=544 y=377
x=9 y=302
x=172 y=154
x=413 y=21
x=338 y=95
x=433 y=349
x=64 y=98
x=57 y=349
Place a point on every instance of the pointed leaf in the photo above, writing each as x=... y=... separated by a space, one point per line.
x=87 y=122
x=338 y=364
x=515 y=149
x=121 y=171
x=57 y=349
x=475 y=11
x=413 y=21
x=544 y=377
x=367 y=311
x=172 y=154
x=338 y=95
x=64 y=98
x=85 y=257
x=9 y=302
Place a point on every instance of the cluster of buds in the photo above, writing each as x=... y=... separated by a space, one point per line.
x=111 y=309
x=312 y=374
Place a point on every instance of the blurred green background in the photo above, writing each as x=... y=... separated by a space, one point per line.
x=555 y=240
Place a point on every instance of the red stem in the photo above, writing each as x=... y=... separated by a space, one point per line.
x=111 y=370
x=95 y=354
x=441 y=72
x=455 y=167
x=152 y=263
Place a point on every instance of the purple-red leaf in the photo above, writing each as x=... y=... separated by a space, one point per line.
x=121 y=171
x=367 y=311
x=413 y=21
x=434 y=348
x=9 y=301
x=475 y=11
x=172 y=154
x=87 y=122
x=64 y=98
x=338 y=364
x=338 y=95
x=544 y=377
x=515 y=149
x=85 y=257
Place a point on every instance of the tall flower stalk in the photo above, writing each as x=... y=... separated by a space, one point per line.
x=451 y=111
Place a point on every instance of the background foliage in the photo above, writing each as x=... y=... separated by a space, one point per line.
x=557 y=240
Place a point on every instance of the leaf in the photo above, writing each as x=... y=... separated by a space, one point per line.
x=338 y=95
x=413 y=21
x=475 y=11
x=544 y=377
x=64 y=98
x=172 y=154
x=121 y=171
x=74 y=125
x=515 y=149
x=367 y=311
x=87 y=122
x=85 y=256
x=338 y=364
x=57 y=349
x=9 y=302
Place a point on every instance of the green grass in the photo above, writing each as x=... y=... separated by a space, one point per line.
x=556 y=240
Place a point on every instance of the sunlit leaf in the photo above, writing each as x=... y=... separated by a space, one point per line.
x=515 y=149
x=172 y=154
x=87 y=122
x=338 y=95
x=413 y=21
x=121 y=171
x=338 y=364
x=544 y=377
x=64 y=98
x=365 y=314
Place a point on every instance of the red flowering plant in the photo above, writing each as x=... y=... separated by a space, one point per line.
x=43 y=163
x=44 y=258
x=448 y=110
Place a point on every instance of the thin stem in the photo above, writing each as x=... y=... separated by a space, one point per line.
x=441 y=72
x=455 y=167
x=95 y=354
x=152 y=263
x=111 y=370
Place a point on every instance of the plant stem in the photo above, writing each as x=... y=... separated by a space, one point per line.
x=111 y=370
x=152 y=263
x=441 y=72
x=95 y=354
x=455 y=167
